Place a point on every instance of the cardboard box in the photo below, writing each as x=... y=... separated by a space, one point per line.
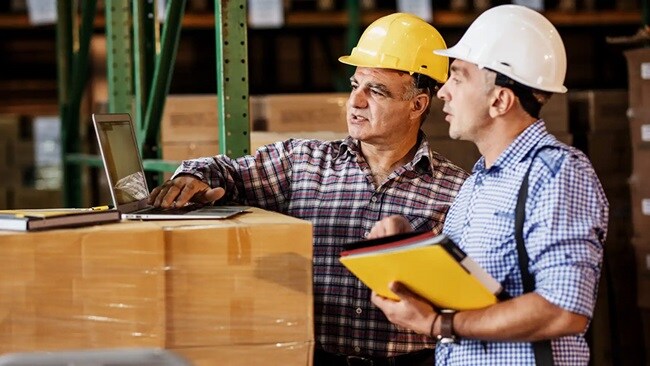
x=638 y=68
x=232 y=292
x=179 y=151
x=640 y=195
x=189 y=118
x=81 y=288
x=598 y=110
x=194 y=118
x=639 y=127
x=306 y=112
x=240 y=282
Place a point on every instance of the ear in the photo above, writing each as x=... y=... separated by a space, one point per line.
x=419 y=105
x=503 y=101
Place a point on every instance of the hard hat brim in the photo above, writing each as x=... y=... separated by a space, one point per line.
x=455 y=52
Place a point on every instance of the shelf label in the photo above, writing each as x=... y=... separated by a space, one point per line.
x=645 y=70
x=420 y=8
x=265 y=13
x=41 y=11
x=645 y=132
x=645 y=206
x=533 y=4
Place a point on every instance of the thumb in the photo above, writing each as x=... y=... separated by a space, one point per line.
x=401 y=290
x=214 y=194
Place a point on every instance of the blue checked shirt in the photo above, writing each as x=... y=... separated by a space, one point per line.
x=564 y=231
x=331 y=185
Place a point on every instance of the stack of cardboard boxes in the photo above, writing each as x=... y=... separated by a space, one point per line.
x=600 y=128
x=638 y=61
x=232 y=292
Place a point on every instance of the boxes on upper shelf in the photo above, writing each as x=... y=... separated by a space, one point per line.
x=598 y=110
x=306 y=112
x=640 y=196
x=638 y=68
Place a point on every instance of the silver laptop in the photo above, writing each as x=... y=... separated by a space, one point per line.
x=129 y=191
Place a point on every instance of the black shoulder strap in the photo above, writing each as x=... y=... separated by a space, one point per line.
x=542 y=349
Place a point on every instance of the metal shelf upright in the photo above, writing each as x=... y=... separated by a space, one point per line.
x=140 y=66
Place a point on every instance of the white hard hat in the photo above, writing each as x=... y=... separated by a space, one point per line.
x=517 y=42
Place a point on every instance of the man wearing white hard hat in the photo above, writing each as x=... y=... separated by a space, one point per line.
x=385 y=167
x=533 y=213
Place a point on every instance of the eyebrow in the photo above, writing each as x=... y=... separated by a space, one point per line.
x=459 y=70
x=381 y=87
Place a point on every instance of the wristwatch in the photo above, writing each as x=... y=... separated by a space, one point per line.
x=447 y=327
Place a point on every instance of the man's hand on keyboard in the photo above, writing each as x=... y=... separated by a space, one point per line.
x=183 y=189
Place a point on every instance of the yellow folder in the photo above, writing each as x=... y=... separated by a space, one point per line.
x=431 y=266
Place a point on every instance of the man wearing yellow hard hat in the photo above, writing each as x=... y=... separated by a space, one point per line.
x=385 y=167
x=533 y=214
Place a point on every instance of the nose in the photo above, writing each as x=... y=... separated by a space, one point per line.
x=442 y=93
x=357 y=98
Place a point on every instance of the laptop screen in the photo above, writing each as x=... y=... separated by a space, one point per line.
x=122 y=160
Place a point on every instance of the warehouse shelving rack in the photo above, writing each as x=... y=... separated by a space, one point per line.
x=139 y=65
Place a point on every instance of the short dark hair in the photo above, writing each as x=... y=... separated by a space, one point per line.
x=531 y=99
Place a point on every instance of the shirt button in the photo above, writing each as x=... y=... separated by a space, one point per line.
x=365 y=235
x=357 y=349
x=373 y=199
x=359 y=311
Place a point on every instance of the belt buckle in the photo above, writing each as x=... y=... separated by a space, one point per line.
x=359 y=361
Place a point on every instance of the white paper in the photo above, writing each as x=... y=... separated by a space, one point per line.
x=41 y=11
x=161 y=10
x=265 y=13
x=645 y=70
x=47 y=140
x=421 y=8
x=645 y=133
x=645 y=206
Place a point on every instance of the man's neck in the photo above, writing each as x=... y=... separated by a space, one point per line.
x=503 y=132
x=384 y=159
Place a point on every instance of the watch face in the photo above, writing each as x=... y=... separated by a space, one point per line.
x=446 y=340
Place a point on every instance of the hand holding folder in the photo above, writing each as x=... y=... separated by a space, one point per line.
x=431 y=266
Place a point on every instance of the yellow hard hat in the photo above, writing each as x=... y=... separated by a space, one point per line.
x=402 y=42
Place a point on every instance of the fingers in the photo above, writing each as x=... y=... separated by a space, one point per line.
x=390 y=226
x=182 y=189
x=405 y=293
x=214 y=194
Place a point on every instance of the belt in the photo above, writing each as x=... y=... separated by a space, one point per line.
x=422 y=357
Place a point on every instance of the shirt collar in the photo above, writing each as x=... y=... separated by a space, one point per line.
x=519 y=149
x=422 y=155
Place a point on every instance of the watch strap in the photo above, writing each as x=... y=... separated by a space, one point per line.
x=447 y=328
